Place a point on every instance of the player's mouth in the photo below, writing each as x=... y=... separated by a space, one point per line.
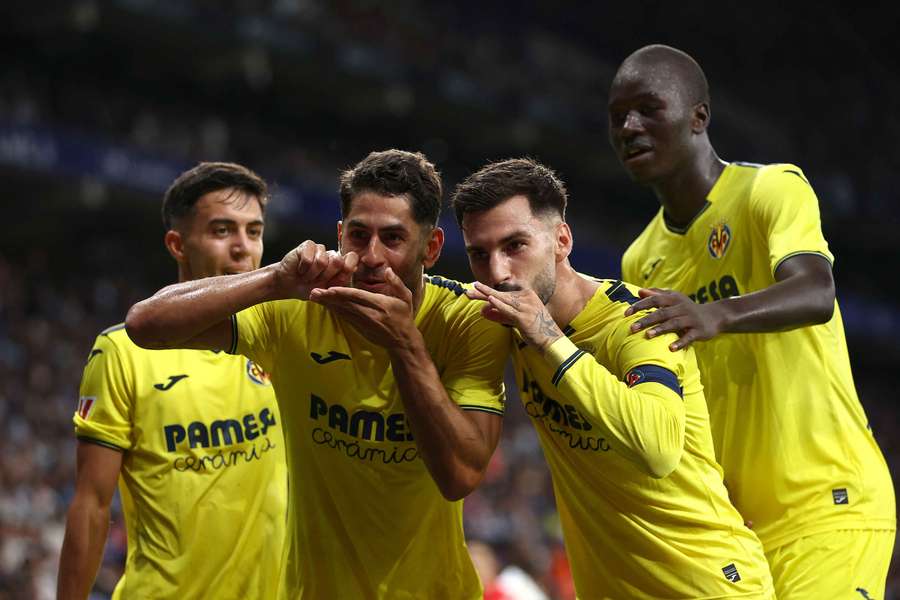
x=635 y=154
x=371 y=285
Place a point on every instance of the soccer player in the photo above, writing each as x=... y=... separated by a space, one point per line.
x=193 y=437
x=390 y=390
x=622 y=421
x=739 y=251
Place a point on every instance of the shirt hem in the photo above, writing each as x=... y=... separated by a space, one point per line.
x=774 y=543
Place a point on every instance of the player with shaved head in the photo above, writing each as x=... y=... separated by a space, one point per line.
x=736 y=265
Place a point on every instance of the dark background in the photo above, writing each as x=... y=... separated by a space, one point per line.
x=103 y=103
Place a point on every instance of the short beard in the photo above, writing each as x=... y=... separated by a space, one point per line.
x=544 y=285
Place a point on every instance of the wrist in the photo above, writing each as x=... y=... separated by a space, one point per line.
x=408 y=344
x=724 y=314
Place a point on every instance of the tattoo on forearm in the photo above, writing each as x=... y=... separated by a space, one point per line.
x=546 y=326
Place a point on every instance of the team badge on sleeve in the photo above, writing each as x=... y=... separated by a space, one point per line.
x=719 y=240
x=85 y=406
x=256 y=374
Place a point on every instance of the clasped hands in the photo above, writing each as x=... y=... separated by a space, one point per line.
x=324 y=276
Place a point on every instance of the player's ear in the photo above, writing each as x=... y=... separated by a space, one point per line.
x=174 y=242
x=563 y=240
x=433 y=246
x=700 y=117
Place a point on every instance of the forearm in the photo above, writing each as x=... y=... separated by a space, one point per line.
x=645 y=423
x=795 y=302
x=181 y=312
x=87 y=527
x=451 y=444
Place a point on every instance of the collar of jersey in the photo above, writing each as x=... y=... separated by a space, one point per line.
x=710 y=199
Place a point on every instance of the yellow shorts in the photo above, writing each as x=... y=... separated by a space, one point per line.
x=846 y=564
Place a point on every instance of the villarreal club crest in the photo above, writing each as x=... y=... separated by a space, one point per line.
x=719 y=240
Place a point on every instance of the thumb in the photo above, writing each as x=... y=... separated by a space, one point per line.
x=397 y=285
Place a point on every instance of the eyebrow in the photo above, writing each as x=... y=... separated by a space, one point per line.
x=519 y=233
x=213 y=222
x=388 y=228
x=639 y=97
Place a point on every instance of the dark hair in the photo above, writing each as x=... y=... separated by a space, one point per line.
x=497 y=182
x=208 y=177
x=396 y=173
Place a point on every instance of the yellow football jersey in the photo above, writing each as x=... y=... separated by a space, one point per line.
x=203 y=480
x=365 y=519
x=797 y=451
x=614 y=412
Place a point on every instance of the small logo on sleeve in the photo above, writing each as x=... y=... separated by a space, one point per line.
x=256 y=374
x=85 y=405
x=731 y=573
x=864 y=593
x=634 y=377
x=840 y=496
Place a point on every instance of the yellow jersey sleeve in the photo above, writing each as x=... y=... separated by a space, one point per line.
x=645 y=419
x=256 y=331
x=478 y=352
x=785 y=207
x=105 y=403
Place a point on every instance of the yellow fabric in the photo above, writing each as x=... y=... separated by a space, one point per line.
x=363 y=504
x=834 y=565
x=629 y=533
x=788 y=427
x=203 y=481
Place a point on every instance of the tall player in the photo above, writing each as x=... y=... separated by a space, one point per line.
x=622 y=421
x=739 y=250
x=390 y=390
x=193 y=437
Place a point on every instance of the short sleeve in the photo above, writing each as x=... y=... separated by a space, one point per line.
x=785 y=208
x=630 y=350
x=106 y=397
x=256 y=331
x=473 y=376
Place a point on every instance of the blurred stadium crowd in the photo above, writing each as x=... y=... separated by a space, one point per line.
x=102 y=103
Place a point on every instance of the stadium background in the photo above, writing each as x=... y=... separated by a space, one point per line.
x=103 y=103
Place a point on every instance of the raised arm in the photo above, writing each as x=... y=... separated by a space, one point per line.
x=803 y=294
x=645 y=422
x=87 y=522
x=196 y=314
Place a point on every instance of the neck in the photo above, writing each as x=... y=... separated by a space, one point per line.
x=683 y=195
x=571 y=294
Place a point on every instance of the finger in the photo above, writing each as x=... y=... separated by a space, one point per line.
x=334 y=264
x=684 y=341
x=397 y=287
x=345 y=296
x=647 y=292
x=492 y=314
x=474 y=294
x=648 y=302
x=657 y=316
x=503 y=306
x=486 y=289
x=674 y=324
x=315 y=259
